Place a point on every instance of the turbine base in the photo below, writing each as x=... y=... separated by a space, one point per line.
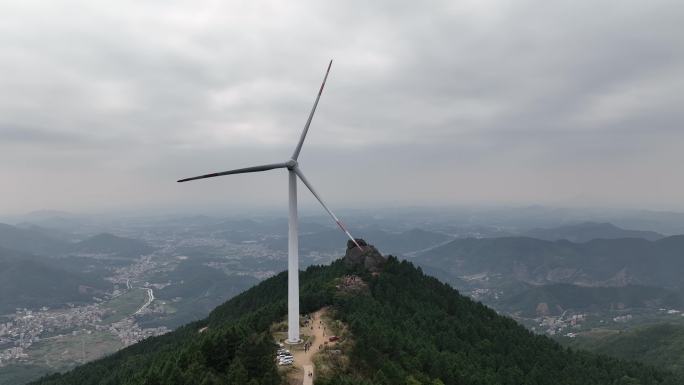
x=288 y=342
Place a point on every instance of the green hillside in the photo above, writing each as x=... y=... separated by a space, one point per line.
x=408 y=328
x=202 y=288
x=111 y=244
x=30 y=241
x=561 y=297
x=658 y=345
x=28 y=281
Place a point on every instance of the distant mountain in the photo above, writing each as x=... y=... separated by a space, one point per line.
x=331 y=240
x=475 y=231
x=556 y=298
x=111 y=244
x=28 y=282
x=600 y=262
x=269 y=226
x=404 y=328
x=56 y=220
x=30 y=240
x=49 y=232
x=586 y=231
x=660 y=345
x=51 y=243
x=407 y=241
x=45 y=214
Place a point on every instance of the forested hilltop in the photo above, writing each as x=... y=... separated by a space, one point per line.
x=408 y=328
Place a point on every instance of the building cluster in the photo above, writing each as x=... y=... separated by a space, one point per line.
x=12 y=354
x=622 y=318
x=144 y=265
x=557 y=325
x=27 y=327
x=129 y=332
x=480 y=294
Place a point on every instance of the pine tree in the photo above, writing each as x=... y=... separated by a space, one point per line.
x=237 y=374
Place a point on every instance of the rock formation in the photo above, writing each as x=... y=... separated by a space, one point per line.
x=369 y=257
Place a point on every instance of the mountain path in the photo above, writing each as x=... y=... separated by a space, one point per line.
x=304 y=360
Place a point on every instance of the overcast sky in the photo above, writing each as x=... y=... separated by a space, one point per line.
x=104 y=104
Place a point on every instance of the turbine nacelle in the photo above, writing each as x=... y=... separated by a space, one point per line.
x=291 y=164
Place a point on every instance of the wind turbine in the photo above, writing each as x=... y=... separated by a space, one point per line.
x=293 y=171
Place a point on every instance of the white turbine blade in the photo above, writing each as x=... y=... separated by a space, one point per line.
x=239 y=171
x=339 y=223
x=311 y=114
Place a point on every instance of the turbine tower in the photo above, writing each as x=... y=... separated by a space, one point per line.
x=293 y=172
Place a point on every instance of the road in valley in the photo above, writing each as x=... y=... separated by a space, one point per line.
x=150 y=298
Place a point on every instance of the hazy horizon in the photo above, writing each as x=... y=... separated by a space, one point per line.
x=313 y=209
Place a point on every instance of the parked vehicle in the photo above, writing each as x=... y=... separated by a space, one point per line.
x=333 y=338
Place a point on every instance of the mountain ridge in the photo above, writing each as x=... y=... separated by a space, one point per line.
x=408 y=328
x=112 y=244
x=29 y=241
x=37 y=240
x=398 y=243
x=599 y=262
x=26 y=281
x=560 y=297
x=586 y=231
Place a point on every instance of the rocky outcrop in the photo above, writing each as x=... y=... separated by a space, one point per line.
x=367 y=256
x=351 y=284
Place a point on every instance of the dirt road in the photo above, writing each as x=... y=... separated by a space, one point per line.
x=304 y=360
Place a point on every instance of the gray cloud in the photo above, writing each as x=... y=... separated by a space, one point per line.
x=524 y=102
